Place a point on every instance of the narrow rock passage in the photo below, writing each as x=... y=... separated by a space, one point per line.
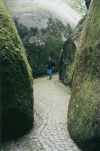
x=50 y=129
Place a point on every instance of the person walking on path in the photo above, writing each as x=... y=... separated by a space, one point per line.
x=50 y=68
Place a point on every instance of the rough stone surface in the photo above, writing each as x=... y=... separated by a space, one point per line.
x=67 y=57
x=50 y=131
x=66 y=61
x=84 y=107
x=16 y=89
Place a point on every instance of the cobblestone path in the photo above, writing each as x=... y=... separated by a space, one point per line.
x=50 y=129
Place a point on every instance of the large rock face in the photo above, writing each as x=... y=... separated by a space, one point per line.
x=66 y=62
x=16 y=100
x=70 y=47
x=84 y=107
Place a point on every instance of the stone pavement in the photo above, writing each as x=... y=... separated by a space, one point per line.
x=50 y=129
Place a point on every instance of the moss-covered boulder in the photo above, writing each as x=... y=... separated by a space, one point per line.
x=70 y=47
x=84 y=107
x=16 y=99
x=66 y=62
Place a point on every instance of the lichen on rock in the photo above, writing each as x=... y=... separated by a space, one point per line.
x=84 y=107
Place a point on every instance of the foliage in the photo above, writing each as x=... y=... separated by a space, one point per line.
x=42 y=43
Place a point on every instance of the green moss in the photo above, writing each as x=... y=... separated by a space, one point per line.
x=66 y=62
x=16 y=80
x=84 y=112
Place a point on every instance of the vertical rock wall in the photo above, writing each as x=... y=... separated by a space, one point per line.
x=16 y=98
x=66 y=62
x=67 y=58
x=84 y=107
